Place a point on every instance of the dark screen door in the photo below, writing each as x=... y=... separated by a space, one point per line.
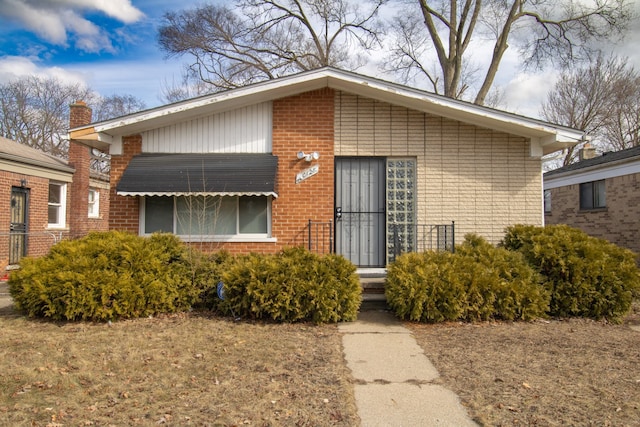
x=360 y=210
x=18 y=225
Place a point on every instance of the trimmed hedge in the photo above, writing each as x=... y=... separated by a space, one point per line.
x=585 y=276
x=293 y=285
x=104 y=276
x=478 y=282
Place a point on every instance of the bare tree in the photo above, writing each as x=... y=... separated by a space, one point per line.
x=112 y=106
x=544 y=31
x=603 y=99
x=35 y=110
x=186 y=88
x=622 y=128
x=263 y=39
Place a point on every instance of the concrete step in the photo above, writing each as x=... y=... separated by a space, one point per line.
x=372 y=282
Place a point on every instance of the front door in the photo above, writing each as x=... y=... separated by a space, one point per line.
x=360 y=210
x=18 y=225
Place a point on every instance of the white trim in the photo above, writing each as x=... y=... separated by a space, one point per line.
x=94 y=207
x=595 y=173
x=191 y=193
x=62 y=207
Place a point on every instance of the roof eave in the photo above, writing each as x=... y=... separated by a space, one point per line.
x=34 y=162
x=554 y=137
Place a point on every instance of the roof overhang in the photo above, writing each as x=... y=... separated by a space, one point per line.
x=548 y=137
x=199 y=174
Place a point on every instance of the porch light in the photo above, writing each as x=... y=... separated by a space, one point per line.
x=308 y=157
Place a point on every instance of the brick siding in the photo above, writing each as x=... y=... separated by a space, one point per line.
x=618 y=222
x=78 y=195
x=124 y=211
x=483 y=179
x=40 y=237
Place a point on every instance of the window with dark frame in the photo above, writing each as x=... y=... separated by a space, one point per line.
x=593 y=195
x=207 y=215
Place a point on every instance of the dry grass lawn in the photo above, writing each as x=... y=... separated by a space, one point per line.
x=545 y=373
x=186 y=369
x=194 y=369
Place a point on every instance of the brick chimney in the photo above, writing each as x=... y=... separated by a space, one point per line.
x=586 y=152
x=80 y=160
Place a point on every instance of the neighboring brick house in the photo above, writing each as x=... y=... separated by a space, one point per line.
x=44 y=199
x=248 y=169
x=599 y=195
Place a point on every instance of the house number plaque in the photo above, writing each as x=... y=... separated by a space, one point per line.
x=307 y=173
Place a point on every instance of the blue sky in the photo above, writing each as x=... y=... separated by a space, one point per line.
x=110 y=45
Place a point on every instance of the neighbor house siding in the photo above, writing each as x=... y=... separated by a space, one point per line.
x=244 y=130
x=482 y=179
x=40 y=237
x=617 y=222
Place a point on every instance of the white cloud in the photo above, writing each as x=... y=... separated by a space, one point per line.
x=525 y=93
x=13 y=67
x=53 y=20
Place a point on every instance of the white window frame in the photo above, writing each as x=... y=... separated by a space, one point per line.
x=244 y=237
x=62 y=206
x=547 y=201
x=94 y=205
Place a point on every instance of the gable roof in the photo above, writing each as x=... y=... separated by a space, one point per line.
x=15 y=152
x=547 y=137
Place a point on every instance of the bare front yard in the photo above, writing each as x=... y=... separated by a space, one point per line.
x=194 y=369
x=174 y=370
x=544 y=373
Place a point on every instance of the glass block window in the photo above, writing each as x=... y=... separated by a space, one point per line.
x=401 y=203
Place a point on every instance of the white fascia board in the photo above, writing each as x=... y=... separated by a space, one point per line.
x=594 y=173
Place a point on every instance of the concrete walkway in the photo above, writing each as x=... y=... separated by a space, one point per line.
x=393 y=377
x=5 y=297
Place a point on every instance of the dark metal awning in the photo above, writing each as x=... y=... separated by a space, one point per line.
x=197 y=174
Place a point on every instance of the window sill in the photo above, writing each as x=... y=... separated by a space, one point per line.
x=51 y=227
x=228 y=239
x=593 y=210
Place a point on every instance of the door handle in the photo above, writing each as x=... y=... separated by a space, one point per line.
x=338 y=213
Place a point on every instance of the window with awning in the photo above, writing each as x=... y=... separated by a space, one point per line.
x=203 y=196
x=215 y=174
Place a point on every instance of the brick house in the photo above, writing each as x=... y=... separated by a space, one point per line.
x=599 y=195
x=325 y=158
x=45 y=199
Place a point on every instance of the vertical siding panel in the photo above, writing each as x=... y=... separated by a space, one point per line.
x=245 y=130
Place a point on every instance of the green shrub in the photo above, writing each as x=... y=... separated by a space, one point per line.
x=103 y=276
x=425 y=287
x=206 y=272
x=506 y=287
x=585 y=276
x=478 y=282
x=290 y=286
